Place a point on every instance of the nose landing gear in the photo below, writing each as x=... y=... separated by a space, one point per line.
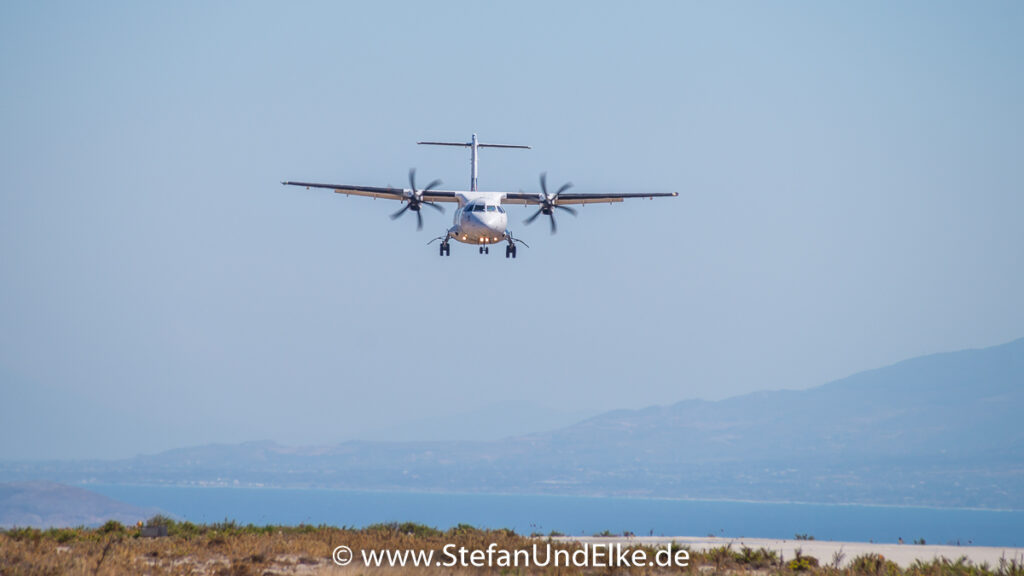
x=485 y=250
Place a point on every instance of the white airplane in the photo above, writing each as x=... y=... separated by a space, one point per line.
x=480 y=218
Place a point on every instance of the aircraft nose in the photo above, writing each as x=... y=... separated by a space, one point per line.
x=475 y=220
x=493 y=220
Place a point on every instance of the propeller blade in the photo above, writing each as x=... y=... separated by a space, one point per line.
x=544 y=182
x=554 y=227
x=412 y=179
x=399 y=213
x=435 y=205
x=419 y=220
x=534 y=217
x=432 y=185
x=566 y=208
x=564 y=187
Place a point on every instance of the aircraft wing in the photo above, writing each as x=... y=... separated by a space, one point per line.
x=579 y=198
x=379 y=192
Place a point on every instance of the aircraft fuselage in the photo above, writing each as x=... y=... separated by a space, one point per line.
x=480 y=219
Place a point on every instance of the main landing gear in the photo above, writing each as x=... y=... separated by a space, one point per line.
x=510 y=249
x=444 y=249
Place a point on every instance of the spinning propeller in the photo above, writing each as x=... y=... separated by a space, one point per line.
x=415 y=199
x=547 y=203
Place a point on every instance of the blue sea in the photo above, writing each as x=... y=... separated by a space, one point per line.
x=581 y=515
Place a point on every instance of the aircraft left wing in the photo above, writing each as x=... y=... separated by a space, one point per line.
x=579 y=198
x=380 y=192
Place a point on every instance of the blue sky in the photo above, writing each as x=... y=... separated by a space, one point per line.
x=850 y=195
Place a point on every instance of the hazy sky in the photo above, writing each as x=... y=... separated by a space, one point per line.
x=850 y=179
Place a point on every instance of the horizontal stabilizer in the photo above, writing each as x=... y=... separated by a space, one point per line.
x=468 y=144
x=447 y=143
x=502 y=146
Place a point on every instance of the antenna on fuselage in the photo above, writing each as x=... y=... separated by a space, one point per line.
x=473 y=145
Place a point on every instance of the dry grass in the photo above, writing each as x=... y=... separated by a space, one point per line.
x=229 y=549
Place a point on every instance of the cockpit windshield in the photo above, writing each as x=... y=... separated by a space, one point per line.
x=485 y=208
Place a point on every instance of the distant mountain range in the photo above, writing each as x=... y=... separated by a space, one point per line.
x=940 y=430
x=45 y=504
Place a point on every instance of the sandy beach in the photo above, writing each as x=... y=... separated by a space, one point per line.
x=825 y=551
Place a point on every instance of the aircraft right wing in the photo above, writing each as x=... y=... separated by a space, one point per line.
x=578 y=198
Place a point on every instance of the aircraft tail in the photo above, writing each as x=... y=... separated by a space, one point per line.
x=473 y=145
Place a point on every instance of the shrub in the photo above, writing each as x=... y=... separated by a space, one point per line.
x=112 y=527
x=760 y=558
x=1011 y=567
x=185 y=529
x=409 y=529
x=63 y=535
x=874 y=565
x=802 y=563
x=161 y=520
x=462 y=530
x=25 y=534
x=720 y=556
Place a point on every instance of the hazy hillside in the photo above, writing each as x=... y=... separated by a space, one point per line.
x=937 y=430
x=962 y=405
x=45 y=504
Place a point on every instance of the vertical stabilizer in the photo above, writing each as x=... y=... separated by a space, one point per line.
x=473 y=145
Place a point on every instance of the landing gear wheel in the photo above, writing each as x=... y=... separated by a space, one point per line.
x=447 y=250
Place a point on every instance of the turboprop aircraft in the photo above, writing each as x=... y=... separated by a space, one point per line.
x=480 y=218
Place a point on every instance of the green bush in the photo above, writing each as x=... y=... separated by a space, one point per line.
x=25 y=534
x=408 y=528
x=161 y=520
x=112 y=527
x=802 y=563
x=873 y=565
x=1011 y=567
x=720 y=556
x=462 y=530
x=760 y=558
x=63 y=535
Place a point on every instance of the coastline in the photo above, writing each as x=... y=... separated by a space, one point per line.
x=825 y=551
